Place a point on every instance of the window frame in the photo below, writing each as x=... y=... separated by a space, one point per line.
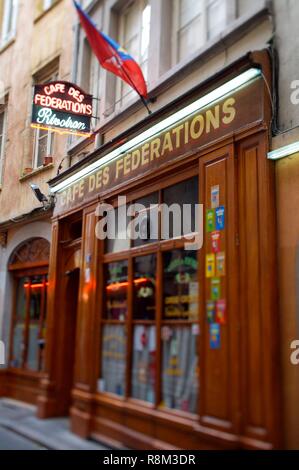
x=43 y=78
x=47 y=4
x=37 y=139
x=3 y=139
x=120 y=84
x=176 y=29
x=10 y=11
x=17 y=275
x=157 y=248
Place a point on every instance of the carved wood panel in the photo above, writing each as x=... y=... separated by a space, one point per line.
x=31 y=251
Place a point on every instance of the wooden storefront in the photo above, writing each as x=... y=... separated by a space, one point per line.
x=28 y=270
x=130 y=350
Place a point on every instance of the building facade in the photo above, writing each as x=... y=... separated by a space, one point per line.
x=41 y=32
x=145 y=342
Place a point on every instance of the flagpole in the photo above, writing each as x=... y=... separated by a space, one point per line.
x=133 y=86
x=144 y=102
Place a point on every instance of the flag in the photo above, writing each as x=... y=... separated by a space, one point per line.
x=111 y=56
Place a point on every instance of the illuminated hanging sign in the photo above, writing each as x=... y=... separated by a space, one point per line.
x=62 y=107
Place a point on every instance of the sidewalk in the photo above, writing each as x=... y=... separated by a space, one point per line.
x=52 y=433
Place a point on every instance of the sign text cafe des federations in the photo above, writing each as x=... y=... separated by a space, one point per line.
x=215 y=121
x=62 y=107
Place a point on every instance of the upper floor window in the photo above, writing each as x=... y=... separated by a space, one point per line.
x=8 y=16
x=48 y=3
x=90 y=76
x=43 y=5
x=2 y=138
x=194 y=23
x=134 y=37
x=44 y=139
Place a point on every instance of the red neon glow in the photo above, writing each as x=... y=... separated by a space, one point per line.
x=60 y=88
x=35 y=286
x=54 y=88
x=118 y=285
x=63 y=104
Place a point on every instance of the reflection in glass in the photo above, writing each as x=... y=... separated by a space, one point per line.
x=146 y=226
x=185 y=196
x=36 y=290
x=180 y=286
x=31 y=304
x=117 y=239
x=113 y=360
x=144 y=287
x=116 y=290
x=42 y=340
x=144 y=366
x=18 y=335
x=180 y=368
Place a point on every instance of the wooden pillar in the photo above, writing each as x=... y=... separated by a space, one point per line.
x=48 y=400
x=259 y=347
x=85 y=354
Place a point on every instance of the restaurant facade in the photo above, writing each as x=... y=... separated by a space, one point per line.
x=170 y=341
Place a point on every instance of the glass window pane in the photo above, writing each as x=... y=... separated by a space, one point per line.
x=191 y=38
x=180 y=285
x=189 y=9
x=42 y=338
x=134 y=38
x=179 y=209
x=144 y=287
x=117 y=238
x=216 y=15
x=144 y=363
x=36 y=289
x=1 y=127
x=180 y=372
x=146 y=226
x=116 y=290
x=18 y=333
x=113 y=360
x=131 y=22
x=42 y=147
x=145 y=34
x=23 y=284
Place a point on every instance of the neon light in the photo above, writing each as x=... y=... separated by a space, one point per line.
x=197 y=105
x=61 y=132
x=118 y=285
x=54 y=88
x=285 y=151
x=35 y=286
x=62 y=106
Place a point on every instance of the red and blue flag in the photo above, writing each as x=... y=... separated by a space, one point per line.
x=111 y=56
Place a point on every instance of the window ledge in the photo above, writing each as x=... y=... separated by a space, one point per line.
x=76 y=147
x=35 y=172
x=7 y=44
x=43 y=13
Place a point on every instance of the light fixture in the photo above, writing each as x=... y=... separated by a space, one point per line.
x=215 y=95
x=46 y=202
x=285 y=151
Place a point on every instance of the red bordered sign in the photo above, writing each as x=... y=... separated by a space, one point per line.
x=62 y=107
